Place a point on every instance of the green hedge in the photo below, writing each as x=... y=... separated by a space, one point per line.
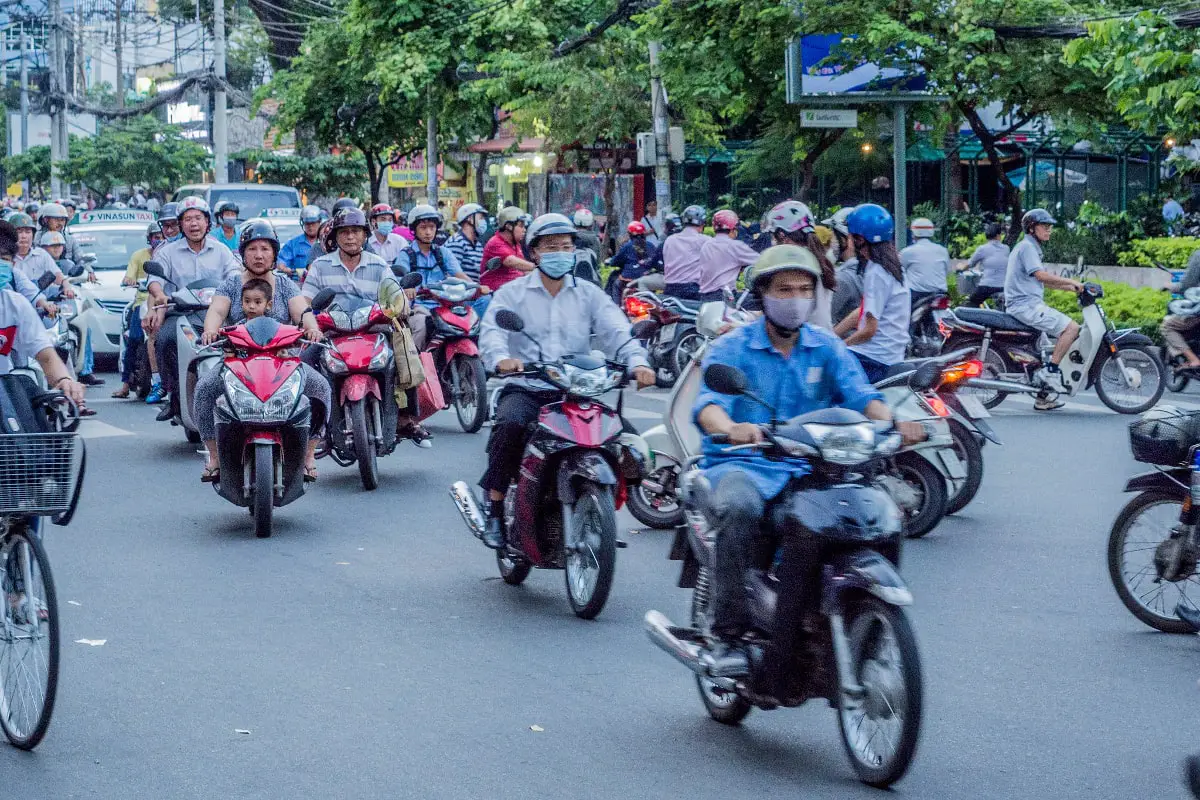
x=1172 y=252
x=1142 y=308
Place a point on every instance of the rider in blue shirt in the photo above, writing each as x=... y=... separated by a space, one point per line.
x=294 y=254
x=432 y=261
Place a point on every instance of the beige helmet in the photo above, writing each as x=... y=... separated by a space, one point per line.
x=781 y=258
x=509 y=216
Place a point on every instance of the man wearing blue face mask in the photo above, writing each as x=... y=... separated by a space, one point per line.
x=384 y=242
x=563 y=316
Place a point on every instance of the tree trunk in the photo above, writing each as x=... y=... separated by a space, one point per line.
x=480 y=173
x=610 y=210
x=373 y=173
x=808 y=164
x=952 y=192
x=988 y=141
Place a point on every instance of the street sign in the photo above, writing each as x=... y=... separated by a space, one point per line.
x=112 y=215
x=828 y=118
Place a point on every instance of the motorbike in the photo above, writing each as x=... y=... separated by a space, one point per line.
x=359 y=365
x=186 y=309
x=667 y=328
x=453 y=344
x=855 y=647
x=1123 y=365
x=925 y=335
x=1154 y=544
x=575 y=474
x=263 y=418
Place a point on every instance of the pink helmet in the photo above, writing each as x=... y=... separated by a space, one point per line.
x=791 y=216
x=725 y=220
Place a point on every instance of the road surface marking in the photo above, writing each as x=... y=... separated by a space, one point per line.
x=95 y=429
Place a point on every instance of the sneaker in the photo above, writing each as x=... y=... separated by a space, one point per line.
x=418 y=434
x=1047 y=402
x=1049 y=379
x=90 y=380
x=157 y=395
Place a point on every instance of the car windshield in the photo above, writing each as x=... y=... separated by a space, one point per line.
x=112 y=247
x=252 y=202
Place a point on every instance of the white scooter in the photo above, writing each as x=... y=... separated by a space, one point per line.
x=186 y=310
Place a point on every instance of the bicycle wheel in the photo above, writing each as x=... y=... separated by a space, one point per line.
x=28 y=640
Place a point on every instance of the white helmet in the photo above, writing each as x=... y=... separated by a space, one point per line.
x=838 y=220
x=584 y=218
x=922 y=228
x=467 y=211
x=549 y=225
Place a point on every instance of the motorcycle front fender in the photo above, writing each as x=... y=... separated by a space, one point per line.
x=358 y=386
x=581 y=466
x=862 y=571
x=1169 y=481
x=464 y=346
x=843 y=513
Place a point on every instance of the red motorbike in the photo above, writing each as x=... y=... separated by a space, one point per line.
x=263 y=418
x=455 y=353
x=575 y=473
x=359 y=364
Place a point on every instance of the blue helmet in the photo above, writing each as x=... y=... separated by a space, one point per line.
x=694 y=215
x=872 y=223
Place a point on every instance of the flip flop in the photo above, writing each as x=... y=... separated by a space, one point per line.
x=210 y=475
x=120 y=394
x=310 y=474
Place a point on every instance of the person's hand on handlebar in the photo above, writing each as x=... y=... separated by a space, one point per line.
x=509 y=365
x=209 y=337
x=645 y=377
x=745 y=433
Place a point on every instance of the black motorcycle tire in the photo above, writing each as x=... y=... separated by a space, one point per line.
x=1116 y=540
x=1141 y=408
x=994 y=366
x=1191 y=774
x=932 y=485
x=473 y=379
x=884 y=775
x=682 y=356
x=597 y=500
x=737 y=707
x=971 y=454
x=263 y=502
x=643 y=510
x=192 y=436
x=512 y=571
x=364 y=448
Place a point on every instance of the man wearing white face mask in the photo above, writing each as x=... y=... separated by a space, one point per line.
x=563 y=316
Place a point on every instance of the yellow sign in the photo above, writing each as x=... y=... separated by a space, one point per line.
x=14 y=190
x=407 y=173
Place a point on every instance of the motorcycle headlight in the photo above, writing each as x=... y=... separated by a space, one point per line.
x=276 y=408
x=359 y=317
x=333 y=362
x=587 y=382
x=844 y=444
x=381 y=359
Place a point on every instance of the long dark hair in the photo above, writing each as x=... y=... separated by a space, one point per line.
x=639 y=246
x=882 y=253
x=810 y=240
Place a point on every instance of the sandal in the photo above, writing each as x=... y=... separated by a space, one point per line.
x=210 y=475
x=310 y=474
x=121 y=394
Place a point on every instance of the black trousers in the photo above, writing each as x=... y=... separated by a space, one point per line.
x=684 y=291
x=516 y=410
x=983 y=293
x=166 y=350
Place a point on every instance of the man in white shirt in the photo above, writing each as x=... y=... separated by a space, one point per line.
x=383 y=242
x=926 y=263
x=681 y=255
x=562 y=316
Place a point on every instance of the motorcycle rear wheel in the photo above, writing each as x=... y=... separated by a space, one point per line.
x=263 y=502
x=470 y=398
x=642 y=503
x=727 y=708
x=994 y=368
x=364 y=447
x=883 y=651
x=1158 y=611
x=930 y=484
x=591 y=557
x=687 y=343
x=971 y=454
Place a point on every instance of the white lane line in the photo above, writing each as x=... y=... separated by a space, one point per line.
x=95 y=429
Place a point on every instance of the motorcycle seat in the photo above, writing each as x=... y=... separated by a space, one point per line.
x=996 y=320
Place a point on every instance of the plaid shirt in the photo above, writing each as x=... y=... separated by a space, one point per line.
x=328 y=272
x=467 y=254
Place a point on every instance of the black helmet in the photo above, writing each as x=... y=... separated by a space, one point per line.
x=169 y=212
x=343 y=202
x=223 y=206
x=255 y=230
x=345 y=218
x=31 y=208
x=1036 y=216
x=673 y=223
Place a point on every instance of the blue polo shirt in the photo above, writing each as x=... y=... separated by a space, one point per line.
x=294 y=253
x=819 y=373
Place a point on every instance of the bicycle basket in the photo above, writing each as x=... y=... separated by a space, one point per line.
x=1164 y=436
x=39 y=472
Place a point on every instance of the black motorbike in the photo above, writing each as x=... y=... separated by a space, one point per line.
x=855 y=647
x=925 y=336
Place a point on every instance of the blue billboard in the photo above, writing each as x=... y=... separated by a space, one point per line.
x=821 y=77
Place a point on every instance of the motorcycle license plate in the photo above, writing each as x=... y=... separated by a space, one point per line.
x=954 y=467
x=973 y=406
x=667 y=334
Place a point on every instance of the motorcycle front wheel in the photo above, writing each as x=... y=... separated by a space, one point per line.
x=470 y=392
x=1143 y=538
x=967 y=448
x=880 y=728
x=263 y=502
x=364 y=445
x=590 y=550
x=1131 y=380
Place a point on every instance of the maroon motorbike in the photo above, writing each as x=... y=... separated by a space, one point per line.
x=575 y=472
x=452 y=343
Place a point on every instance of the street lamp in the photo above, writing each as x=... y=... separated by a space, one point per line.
x=866 y=148
x=1169 y=142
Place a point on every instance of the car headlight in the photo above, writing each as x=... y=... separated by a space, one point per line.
x=587 y=382
x=333 y=362
x=844 y=444
x=276 y=408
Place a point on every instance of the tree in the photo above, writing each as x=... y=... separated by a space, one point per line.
x=33 y=165
x=321 y=175
x=140 y=151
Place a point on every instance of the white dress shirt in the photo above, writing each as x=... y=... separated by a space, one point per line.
x=183 y=265
x=579 y=318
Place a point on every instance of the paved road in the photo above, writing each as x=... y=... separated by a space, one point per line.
x=371 y=651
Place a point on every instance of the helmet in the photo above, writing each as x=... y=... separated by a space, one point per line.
x=343 y=202
x=694 y=215
x=872 y=223
x=791 y=216
x=310 y=214
x=53 y=211
x=422 y=212
x=256 y=230
x=725 y=220
x=922 y=228
x=509 y=216
x=1036 y=216
x=467 y=211
x=838 y=221
x=31 y=208
x=68 y=202
x=22 y=220
x=192 y=203
x=345 y=218
x=379 y=209
x=153 y=229
x=636 y=229
x=51 y=238
x=169 y=212
x=584 y=218
x=672 y=223
x=225 y=205
x=781 y=258
x=548 y=225
x=992 y=230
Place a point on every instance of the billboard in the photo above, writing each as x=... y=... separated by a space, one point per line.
x=39 y=129
x=829 y=78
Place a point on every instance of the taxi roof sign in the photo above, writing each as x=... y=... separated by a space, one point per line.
x=293 y=213
x=112 y=215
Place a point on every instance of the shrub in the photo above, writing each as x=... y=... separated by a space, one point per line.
x=1142 y=308
x=1172 y=253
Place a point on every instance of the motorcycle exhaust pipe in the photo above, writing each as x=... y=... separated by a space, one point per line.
x=464 y=500
x=659 y=628
x=1010 y=387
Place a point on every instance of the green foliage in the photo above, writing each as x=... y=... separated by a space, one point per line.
x=139 y=151
x=33 y=165
x=1068 y=244
x=322 y=175
x=1142 y=308
x=1172 y=253
x=752 y=204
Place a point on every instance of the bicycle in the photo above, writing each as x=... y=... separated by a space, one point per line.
x=41 y=474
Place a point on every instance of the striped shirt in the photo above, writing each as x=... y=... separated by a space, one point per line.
x=467 y=253
x=328 y=272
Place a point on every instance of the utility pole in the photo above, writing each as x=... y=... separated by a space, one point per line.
x=662 y=142
x=55 y=102
x=117 y=42
x=24 y=90
x=80 y=74
x=900 y=172
x=220 y=132
x=431 y=153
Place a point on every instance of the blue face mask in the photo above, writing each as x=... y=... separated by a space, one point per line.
x=384 y=228
x=556 y=265
x=481 y=224
x=6 y=274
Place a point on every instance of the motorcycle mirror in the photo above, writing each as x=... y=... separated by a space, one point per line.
x=411 y=280
x=492 y=263
x=510 y=321
x=322 y=299
x=925 y=377
x=45 y=281
x=156 y=269
x=399 y=270
x=70 y=268
x=724 y=379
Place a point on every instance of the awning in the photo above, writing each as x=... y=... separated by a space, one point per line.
x=924 y=151
x=506 y=143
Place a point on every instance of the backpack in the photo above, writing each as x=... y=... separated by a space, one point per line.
x=437 y=257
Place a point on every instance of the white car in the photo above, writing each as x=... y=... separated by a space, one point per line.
x=102 y=304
